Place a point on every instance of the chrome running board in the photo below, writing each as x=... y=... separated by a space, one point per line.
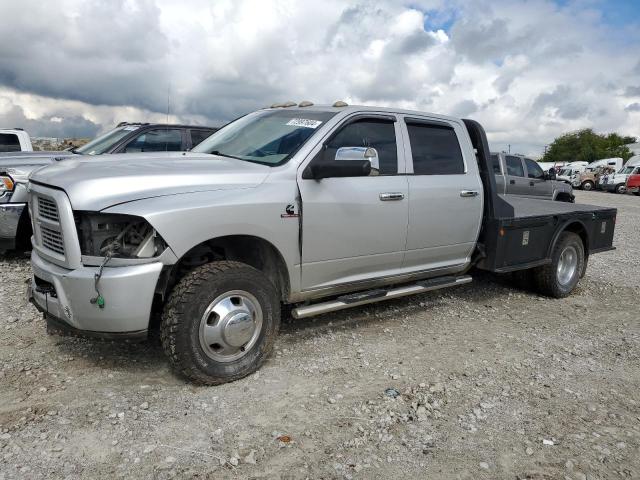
x=377 y=295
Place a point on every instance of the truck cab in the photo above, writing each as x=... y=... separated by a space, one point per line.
x=519 y=175
x=14 y=140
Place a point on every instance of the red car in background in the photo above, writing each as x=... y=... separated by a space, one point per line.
x=633 y=184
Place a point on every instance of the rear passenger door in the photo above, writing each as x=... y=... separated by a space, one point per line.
x=445 y=196
x=517 y=182
x=538 y=185
x=157 y=140
x=198 y=135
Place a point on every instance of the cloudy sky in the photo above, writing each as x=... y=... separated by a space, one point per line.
x=528 y=70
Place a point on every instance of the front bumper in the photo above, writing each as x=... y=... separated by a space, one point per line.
x=10 y=214
x=633 y=189
x=609 y=187
x=64 y=296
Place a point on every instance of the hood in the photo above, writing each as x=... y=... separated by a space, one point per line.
x=20 y=159
x=95 y=184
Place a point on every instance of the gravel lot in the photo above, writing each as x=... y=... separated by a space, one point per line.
x=489 y=382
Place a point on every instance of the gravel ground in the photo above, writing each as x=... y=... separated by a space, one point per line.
x=480 y=382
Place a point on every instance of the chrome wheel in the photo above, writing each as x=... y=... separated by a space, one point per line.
x=230 y=326
x=567 y=265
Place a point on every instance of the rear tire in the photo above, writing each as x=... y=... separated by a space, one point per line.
x=220 y=322
x=622 y=188
x=559 y=278
x=587 y=186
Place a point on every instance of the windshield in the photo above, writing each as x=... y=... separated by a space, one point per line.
x=627 y=170
x=566 y=172
x=270 y=137
x=104 y=142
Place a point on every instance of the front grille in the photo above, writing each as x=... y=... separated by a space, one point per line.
x=52 y=239
x=48 y=209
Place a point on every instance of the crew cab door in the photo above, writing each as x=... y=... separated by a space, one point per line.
x=445 y=196
x=539 y=186
x=355 y=228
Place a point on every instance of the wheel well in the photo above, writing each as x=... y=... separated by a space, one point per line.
x=253 y=251
x=578 y=228
x=563 y=197
x=24 y=232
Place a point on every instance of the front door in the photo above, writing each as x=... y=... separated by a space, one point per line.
x=355 y=228
x=538 y=185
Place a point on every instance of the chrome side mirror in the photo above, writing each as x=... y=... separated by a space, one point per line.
x=360 y=153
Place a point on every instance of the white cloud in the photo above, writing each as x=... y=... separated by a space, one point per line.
x=527 y=70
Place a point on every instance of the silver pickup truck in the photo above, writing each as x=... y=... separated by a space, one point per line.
x=317 y=207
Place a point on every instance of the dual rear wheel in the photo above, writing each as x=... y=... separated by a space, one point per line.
x=561 y=276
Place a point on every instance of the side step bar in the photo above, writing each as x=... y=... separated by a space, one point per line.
x=378 y=295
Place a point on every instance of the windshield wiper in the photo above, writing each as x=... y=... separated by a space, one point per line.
x=219 y=153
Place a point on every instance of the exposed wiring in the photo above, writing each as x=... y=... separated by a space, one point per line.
x=99 y=299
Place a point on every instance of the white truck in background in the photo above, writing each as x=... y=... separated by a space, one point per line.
x=15 y=140
x=617 y=182
x=570 y=170
x=596 y=173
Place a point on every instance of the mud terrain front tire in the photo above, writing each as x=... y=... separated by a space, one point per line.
x=220 y=322
x=559 y=278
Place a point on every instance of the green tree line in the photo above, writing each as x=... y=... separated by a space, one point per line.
x=588 y=146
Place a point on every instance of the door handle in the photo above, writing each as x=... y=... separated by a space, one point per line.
x=469 y=193
x=532 y=183
x=512 y=182
x=391 y=196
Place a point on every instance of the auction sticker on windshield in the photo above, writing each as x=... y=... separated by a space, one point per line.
x=304 y=122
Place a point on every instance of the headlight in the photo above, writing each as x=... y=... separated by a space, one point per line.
x=6 y=184
x=117 y=236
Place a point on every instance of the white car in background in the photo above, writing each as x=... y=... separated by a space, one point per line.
x=14 y=140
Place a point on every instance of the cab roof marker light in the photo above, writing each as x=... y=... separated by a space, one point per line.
x=340 y=103
x=289 y=104
x=277 y=105
x=305 y=103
